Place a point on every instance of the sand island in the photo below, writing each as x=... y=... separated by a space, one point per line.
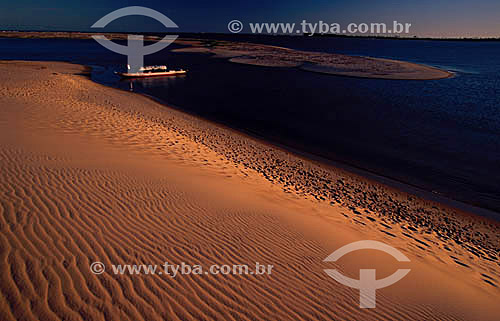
x=327 y=63
x=274 y=56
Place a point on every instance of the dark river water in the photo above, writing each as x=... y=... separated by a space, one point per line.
x=440 y=135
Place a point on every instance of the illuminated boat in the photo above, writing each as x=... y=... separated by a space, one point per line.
x=151 y=71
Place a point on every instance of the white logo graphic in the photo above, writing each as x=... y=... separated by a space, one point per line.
x=135 y=49
x=97 y=268
x=367 y=283
x=235 y=26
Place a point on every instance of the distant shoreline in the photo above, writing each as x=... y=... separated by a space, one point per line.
x=121 y=35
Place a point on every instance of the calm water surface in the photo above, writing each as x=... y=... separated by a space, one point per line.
x=441 y=135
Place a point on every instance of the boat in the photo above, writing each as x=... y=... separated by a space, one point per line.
x=151 y=71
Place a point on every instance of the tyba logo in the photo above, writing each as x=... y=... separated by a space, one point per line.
x=135 y=49
x=367 y=283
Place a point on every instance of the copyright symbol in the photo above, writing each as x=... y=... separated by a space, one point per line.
x=97 y=268
x=235 y=26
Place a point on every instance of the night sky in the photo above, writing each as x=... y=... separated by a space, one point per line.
x=436 y=18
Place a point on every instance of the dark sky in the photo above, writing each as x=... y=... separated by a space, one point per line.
x=455 y=18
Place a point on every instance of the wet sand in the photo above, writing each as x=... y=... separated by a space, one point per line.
x=90 y=173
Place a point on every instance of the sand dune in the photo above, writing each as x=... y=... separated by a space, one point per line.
x=90 y=173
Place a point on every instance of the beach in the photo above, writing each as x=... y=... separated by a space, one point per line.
x=95 y=174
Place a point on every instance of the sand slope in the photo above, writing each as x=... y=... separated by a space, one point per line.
x=90 y=174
